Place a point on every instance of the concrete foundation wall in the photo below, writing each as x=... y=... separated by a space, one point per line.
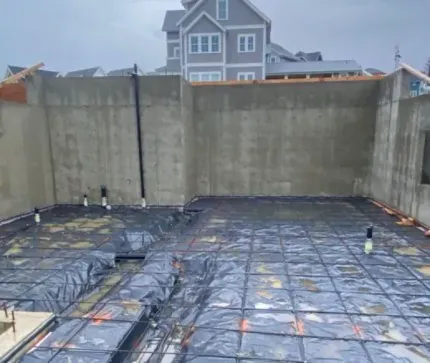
x=333 y=138
x=94 y=137
x=399 y=148
x=26 y=179
x=285 y=139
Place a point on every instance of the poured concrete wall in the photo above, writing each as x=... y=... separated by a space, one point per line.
x=399 y=148
x=285 y=139
x=94 y=137
x=26 y=179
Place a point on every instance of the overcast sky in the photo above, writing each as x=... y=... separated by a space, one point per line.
x=73 y=34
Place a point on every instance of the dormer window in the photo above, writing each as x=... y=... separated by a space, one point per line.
x=222 y=9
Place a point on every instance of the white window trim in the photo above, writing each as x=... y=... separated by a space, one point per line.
x=242 y=65
x=178 y=49
x=200 y=35
x=246 y=74
x=244 y=27
x=217 y=9
x=199 y=75
x=246 y=43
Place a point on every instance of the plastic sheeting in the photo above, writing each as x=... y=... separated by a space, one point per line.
x=258 y=280
x=112 y=324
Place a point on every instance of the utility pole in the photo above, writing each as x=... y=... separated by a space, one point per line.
x=397 y=57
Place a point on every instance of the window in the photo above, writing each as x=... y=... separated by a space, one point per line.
x=246 y=76
x=246 y=43
x=194 y=77
x=194 y=44
x=176 y=52
x=215 y=43
x=205 y=76
x=425 y=173
x=205 y=43
x=222 y=9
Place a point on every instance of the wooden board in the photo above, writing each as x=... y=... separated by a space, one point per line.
x=27 y=325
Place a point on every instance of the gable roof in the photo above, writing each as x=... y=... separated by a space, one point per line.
x=281 y=51
x=170 y=20
x=204 y=14
x=310 y=57
x=88 y=72
x=123 y=72
x=338 y=66
x=40 y=72
x=374 y=71
x=247 y=2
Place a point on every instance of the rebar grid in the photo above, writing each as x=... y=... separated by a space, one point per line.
x=259 y=280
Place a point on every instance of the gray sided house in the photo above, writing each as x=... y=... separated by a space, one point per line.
x=216 y=40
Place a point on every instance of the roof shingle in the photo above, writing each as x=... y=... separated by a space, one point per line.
x=88 y=72
x=170 y=20
x=310 y=57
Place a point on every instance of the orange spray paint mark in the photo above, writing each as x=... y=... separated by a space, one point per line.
x=300 y=327
x=244 y=325
x=357 y=330
x=99 y=318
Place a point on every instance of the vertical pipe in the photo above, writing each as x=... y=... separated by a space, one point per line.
x=139 y=133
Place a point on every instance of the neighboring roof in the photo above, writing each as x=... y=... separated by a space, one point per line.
x=89 y=72
x=340 y=66
x=123 y=72
x=310 y=57
x=374 y=71
x=247 y=2
x=170 y=20
x=164 y=70
x=283 y=52
x=40 y=72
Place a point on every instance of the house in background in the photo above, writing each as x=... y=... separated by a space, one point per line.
x=211 y=40
x=11 y=70
x=317 y=69
x=374 y=72
x=124 y=72
x=89 y=72
x=310 y=57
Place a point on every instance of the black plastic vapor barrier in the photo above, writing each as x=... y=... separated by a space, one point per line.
x=56 y=292
x=116 y=321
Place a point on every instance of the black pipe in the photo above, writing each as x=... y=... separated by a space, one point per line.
x=139 y=130
x=369 y=232
x=129 y=256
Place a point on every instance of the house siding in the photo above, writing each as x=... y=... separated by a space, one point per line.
x=189 y=5
x=173 y=65
x=172 y=36
x=233 y=56
x=170 y=49
x=232 y=73
x=204 y=25
x=238 y=13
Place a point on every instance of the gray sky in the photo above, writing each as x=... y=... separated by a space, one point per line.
x=73 y=34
